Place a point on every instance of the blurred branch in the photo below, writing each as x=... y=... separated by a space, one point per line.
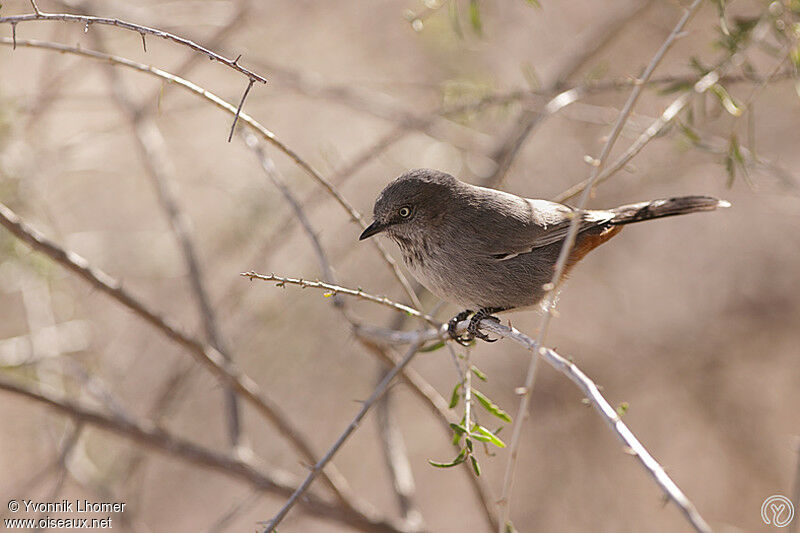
x=394 y=452
x=584 y=49
x=147 y=434
x=155 y=158
x=205 y=354
x=255 y=125
x=560 y=266
x=141 y=30
x=376 y=395
x=655 y=129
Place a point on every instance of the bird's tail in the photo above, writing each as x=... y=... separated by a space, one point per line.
x=627 y=214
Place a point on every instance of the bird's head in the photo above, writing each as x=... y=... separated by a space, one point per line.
x=414 y=202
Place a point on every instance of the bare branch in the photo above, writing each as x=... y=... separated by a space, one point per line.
x=88 y=20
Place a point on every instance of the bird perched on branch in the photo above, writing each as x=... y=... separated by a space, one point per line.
x=491 y=251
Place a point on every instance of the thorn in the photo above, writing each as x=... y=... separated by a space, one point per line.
x=144 y=42
x=236 y=61
x=14 y=35
x=239 y=109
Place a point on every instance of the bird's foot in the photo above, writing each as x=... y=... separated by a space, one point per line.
x=463 y=340
x=473 y=330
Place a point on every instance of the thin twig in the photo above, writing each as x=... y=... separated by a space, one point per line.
x=566 y=248
x=239 y=109
x=333 y=290
x=376 y=395
x=143 y=432
x=88 y=20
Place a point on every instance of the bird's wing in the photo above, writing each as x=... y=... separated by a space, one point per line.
x=533 y=224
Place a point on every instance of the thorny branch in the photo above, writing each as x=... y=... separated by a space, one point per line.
x=87 y=21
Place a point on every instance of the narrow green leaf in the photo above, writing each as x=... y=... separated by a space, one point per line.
x=736 y=151
x=491 y=436
x=455 y=396
x=690 y=134
x=731 y=170
x=455 y=21
x=480 y=375
x=490 y=406
x=534 y=3
x=458 y=428
x=475 y=17
x=727 y=101
x=510 y=528
x=432 y=347
x=475 y=466
x=460 y=458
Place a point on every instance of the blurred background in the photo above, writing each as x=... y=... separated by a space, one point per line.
x=692 y=322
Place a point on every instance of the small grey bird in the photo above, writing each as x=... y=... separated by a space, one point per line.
x=491 y=251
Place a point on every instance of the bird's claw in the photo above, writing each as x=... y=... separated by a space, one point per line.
x=476 y=320
x=473 y=331
x=463 y=340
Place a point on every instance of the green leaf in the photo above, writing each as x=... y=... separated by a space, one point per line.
x=483 y=432
x=490 y=406
x=432 y=347
x=455 y=21
x=534 y=3
x=460 y=458
x=458 y=428
x=480 y=375
x=622 y=409
x=510 y=528
x=727 y=101
x=475 y=17
x=475 y=466
x=730 y=168
x=690 y=134
x=455 y=396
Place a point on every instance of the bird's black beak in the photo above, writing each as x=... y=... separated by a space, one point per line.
x=372 y=229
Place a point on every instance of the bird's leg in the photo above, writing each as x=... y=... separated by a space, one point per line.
x=451 y=328
x=485 y=312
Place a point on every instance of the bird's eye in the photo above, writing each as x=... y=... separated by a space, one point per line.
x=405 y=212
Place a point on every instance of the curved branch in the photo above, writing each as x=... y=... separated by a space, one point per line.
x=141 y=30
